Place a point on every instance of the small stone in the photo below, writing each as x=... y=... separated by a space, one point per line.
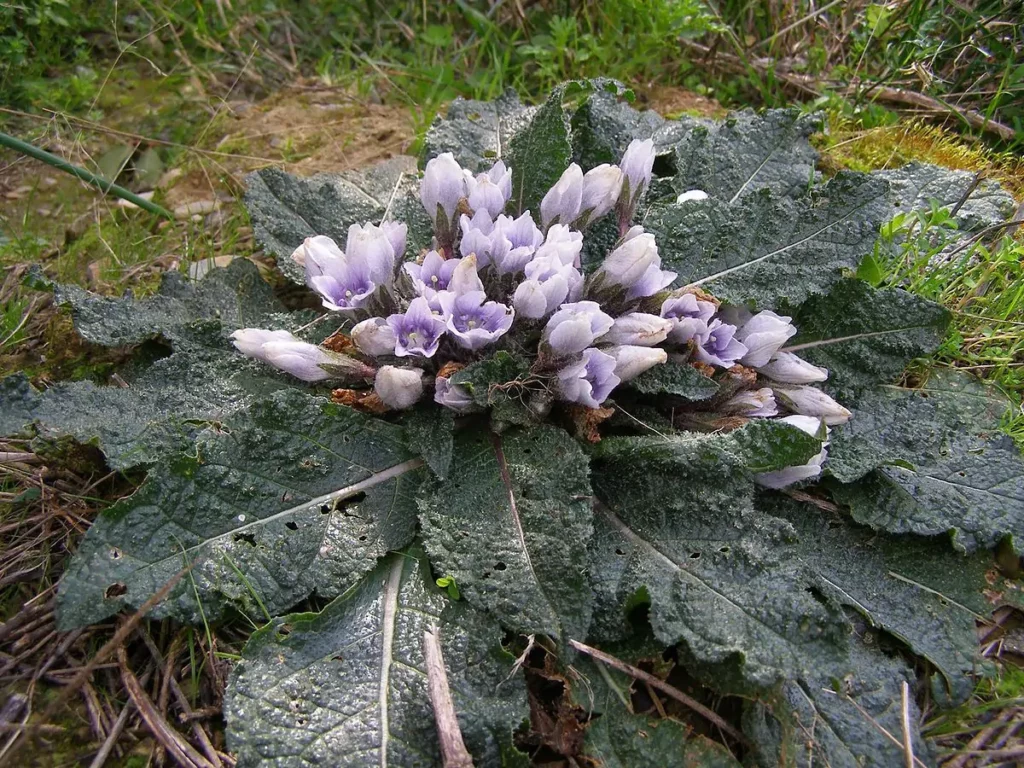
x=196 y=208
x=169 y=177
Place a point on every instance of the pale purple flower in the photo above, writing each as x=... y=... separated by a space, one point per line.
x=719 y=345
x=346 y=281
x=689 y=315
x=514 y=242
x=396 y=232
x=474 y=322
x=763 y=335
x=601 y=188
x=589 y=381
x=374 y=337
x=692 y=195
x=398 y=388
x=631 y=361
x=490 y=191
x=250 y=341
x=752 y=403
x=548 y=284
x=636 y=266
x=418 y=331
x=564 y=243
x=637 y=166
x=638 y=329
x=575 y=326
x=810 y=401
x=562 y=202
x=453 y=396
x=443 y=185
x=477 y=237
x=787 y=368
x=809 y=471
x=465 y=278
x=432 y=275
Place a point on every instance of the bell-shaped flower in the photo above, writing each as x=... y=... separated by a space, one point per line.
x=809 y=471
x=398 y=388
x=576 y=326
x=692 y=195
x=752 y=403
x=763 y=335
x=299 y=358
x=601 y=188
x=787 y=368
x=564 y=243
x=637 y=166
x=561 y=205
x=589 y=381
x=396 y=232
x=465 y=278
x=514 y=243
x=689 y=315
x=346 y=281
x=636 y=266
x=374 y=337
x=433 y=275
x=631 y=361
x=472 y=321
x=719 y=346
x=477 y=237
x=418 y=331
x=453 y=396
x=442 y=187
x=490 y=191
x=810 y=401
x=638 y=329
x=549 y=283
x=250 y=341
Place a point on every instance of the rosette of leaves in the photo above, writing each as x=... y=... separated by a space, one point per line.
x=608 y=374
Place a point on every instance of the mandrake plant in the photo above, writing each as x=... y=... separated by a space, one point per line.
x=596 y=390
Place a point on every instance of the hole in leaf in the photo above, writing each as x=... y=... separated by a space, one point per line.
x=347 y=506
x=291 y=525
x=695 y=555
x=248 y=538
x=487 y=575
x=724 y=550
x=115 y=590
x=619 y=551
x=665 y=165
x=500 y=566
x=325 y=509
x=339 y=657
x=115 y=553
x=363 y=537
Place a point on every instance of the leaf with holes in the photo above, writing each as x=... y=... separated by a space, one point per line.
x=347 y=687
x=294 y=496
x=512 y=528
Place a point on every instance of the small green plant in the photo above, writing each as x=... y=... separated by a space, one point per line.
x=448 y=584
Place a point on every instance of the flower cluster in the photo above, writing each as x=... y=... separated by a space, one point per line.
x=496 y=280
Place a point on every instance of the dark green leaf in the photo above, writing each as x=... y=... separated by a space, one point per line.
x=833 y=715
x=486 y=380
x=916 y=185
x=292 y=496
x=684 y=536
x=428 y=432
x=539 y=152
x=605 y=124
x=866 y=336
x=748 y=151
x=765 y=248
x=512 y=526
x=478 y=132
x=677 y=379
x=347 y=686
x=286 y=209
x=973 y=489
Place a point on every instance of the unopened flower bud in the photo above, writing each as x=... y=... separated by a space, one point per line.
x=398 y=388
x=562 y=202
x=787 y=368
x=810 y=401
x=631 y=361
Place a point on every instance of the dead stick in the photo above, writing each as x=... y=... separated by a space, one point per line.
x=170 y=739
x=908 y=742
x=453 y=750
x=662 y=686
